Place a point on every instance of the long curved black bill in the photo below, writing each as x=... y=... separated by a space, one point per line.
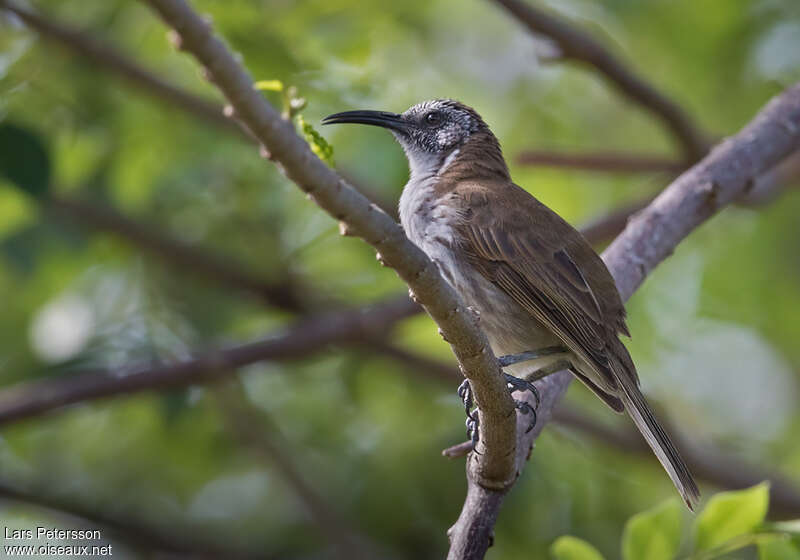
x=376 y=118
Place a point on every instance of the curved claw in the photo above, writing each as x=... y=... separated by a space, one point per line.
x=517 y=384
x=526 y=408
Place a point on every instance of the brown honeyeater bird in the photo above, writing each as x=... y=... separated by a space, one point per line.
x=546 y=300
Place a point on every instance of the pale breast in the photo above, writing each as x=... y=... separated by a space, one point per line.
x=428 y=222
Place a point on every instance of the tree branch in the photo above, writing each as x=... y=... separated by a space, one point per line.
x=357 y=216
x=108 y=57
x=361 y=218
x=613 y=162
x=340 y=327
x=582 y=47
x=730 y=171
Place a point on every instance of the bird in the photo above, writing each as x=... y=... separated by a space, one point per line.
x=544 y=297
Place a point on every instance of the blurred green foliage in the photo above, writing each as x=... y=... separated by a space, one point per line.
x=730 y=522
x=715 y=329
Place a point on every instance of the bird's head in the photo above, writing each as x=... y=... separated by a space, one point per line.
x=429 y=131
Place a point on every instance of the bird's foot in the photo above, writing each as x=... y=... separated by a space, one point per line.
x=511 y=359
x=465 y=392
x=516 y=384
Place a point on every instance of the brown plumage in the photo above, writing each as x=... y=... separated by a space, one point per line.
x=534 y=279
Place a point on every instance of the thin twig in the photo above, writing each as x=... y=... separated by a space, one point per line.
x=612 y=224
x=612 y=162
x=578 y=45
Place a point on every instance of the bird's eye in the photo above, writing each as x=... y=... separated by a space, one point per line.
x=433 y=118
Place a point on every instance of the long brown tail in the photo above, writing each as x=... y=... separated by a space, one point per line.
x=659 y=442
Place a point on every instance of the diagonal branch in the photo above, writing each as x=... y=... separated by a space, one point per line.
x=578 y=45
x=729 y=172
x=357 y=216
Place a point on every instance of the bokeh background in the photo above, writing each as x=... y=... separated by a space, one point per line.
x=343 y=441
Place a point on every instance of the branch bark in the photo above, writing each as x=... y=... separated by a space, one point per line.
x=490 y=474
x=316 y=332
x=730 y=171
x=459 y=326
x=582 y=47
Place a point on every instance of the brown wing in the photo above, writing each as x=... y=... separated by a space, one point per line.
x=530 y=253
x=560 y=280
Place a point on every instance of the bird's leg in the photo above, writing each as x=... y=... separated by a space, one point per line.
x=511 y=359
x=516 y=384
x=552 y=367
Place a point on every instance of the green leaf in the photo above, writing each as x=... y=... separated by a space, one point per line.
x=24 y=159
x=778 y=549
x=654 y=534
x=730 y=514
x=318 y=144
x=573 y=548
x=269 y=85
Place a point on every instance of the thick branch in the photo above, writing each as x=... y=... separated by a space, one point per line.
x=730 y=171
x=494 y=466
x=727 y=173
x=580 y=46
